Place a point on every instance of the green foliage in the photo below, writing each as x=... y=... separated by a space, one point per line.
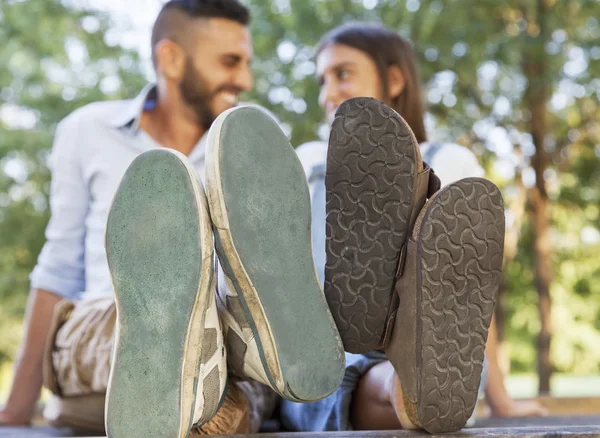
x=471 y=61
x=55 y=58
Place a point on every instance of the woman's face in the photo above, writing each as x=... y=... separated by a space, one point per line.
x=345 y=72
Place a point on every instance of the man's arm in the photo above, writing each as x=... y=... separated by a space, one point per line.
x=27 y=382
x=59 y=273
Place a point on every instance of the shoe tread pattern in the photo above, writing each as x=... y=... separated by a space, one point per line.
x=370 y=177
x=461 y=245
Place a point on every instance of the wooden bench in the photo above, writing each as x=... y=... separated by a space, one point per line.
x=587 y=426
x=570 y=417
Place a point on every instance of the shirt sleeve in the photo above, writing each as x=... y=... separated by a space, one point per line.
x=60 y=267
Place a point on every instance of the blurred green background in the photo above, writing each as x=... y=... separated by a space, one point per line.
x=517 y=82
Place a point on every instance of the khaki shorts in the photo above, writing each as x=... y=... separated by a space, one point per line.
x=77 y=365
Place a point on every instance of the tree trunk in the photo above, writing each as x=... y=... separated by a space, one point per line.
x=536 y=98
x=543 y=278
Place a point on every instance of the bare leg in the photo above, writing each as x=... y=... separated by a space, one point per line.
x=377 y=403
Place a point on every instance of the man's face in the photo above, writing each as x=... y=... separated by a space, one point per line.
x=217 y=68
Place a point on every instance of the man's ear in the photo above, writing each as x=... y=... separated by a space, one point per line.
x=396 y=81
x=170 y=59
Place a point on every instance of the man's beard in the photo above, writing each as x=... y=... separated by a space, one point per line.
x=196 y=94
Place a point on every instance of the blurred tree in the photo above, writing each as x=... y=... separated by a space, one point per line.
x=54 y=58
x=514 y=80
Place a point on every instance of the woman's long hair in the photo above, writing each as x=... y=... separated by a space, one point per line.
x=386 y=48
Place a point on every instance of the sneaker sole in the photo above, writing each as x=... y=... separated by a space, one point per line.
x=161 y=267
x=260 y=208
x=371 y=175
x=459 y=241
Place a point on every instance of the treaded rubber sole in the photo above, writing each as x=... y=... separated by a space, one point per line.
x=371 y=169
x=159 y=248
x=260 y=208
x=460 y=237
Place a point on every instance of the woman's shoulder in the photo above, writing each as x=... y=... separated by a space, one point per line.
x=451 y=161
x=311 y=154
x=446 y=148
x=310 y=148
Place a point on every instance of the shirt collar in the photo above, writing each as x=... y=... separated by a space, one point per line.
x=132 y=110
x=129 y=118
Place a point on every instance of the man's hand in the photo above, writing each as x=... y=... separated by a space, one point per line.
x=8 y=419
x=27 y=383
x=521 y=408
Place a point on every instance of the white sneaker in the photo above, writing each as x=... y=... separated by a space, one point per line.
x=243 y=354
x=169 y=364
x=279 y=328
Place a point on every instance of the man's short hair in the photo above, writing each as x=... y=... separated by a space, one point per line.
x=171 y=21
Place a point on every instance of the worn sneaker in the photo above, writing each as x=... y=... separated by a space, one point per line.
x=243 y=356
x=280 y=331
x=169 y=365
x=376 y=184
x=447 y=289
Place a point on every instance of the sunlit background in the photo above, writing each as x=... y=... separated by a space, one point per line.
x=486 y=66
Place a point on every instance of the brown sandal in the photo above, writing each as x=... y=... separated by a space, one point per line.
x=376 y=185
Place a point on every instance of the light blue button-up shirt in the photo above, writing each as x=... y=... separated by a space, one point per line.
x=92 y=149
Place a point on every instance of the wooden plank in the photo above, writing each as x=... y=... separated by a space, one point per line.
x=570 y=432
x=559 y=405
x=557 y=421
x=541 y=432
x=548 y=427
x=33 y=432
